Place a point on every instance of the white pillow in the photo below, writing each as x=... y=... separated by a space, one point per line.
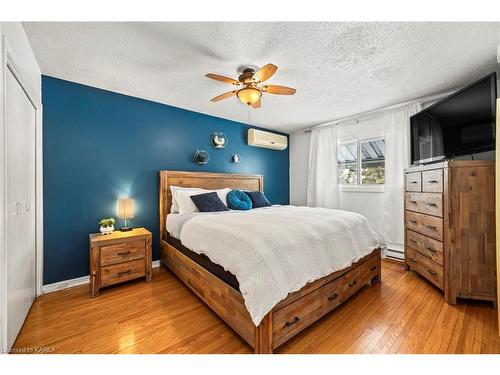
x=174 y=207
x=186 y=204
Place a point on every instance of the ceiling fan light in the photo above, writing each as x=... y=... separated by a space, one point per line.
x=249 y=95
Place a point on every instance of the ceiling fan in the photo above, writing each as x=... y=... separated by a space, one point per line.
x=250 y=86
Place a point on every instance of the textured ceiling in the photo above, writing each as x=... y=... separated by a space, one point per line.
x=338 y=69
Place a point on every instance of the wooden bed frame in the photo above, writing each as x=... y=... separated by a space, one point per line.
x=290 y=316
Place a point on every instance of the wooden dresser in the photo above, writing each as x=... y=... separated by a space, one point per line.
x=119 y=257
x=450 y=227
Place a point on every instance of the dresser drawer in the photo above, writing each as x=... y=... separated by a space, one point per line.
x=430 y=270
x=432 y=181
x=429 y=225
x=427 y=246
x=298 y=315
x=117 y=273
x=427 y=203
x=414 y=181
x=411 y=258
x=357 y=278
x=122 y=252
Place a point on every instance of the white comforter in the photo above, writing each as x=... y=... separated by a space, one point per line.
x=276 y=250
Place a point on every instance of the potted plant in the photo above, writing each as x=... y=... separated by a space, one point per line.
x=107 y=225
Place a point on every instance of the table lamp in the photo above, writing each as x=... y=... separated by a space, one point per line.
x=125 y=211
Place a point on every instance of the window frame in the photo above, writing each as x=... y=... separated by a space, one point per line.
x=358 y=187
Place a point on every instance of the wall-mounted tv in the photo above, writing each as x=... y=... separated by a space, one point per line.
x=460 y=124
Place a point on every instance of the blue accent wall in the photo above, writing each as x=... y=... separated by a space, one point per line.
x=99 y=145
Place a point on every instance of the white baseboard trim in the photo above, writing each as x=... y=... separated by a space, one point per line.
x=65 y=284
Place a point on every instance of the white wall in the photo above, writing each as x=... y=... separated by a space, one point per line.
x=29 y=70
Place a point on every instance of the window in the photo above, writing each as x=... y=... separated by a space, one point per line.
x=362 y=162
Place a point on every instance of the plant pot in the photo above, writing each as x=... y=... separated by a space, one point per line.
x=107 y=230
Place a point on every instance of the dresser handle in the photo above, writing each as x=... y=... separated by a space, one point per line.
x=430 y=249
x=433 y=273
x=295 y=320
x=352 y=283
x=125 y=253
x=432 y=227
x=412 y=221
x=413 y=202
x=373 y=268
x=432 y=204
x=412 y=240
x=331 y=298
x=432 y=181
x=124 y=272
x=414 y=260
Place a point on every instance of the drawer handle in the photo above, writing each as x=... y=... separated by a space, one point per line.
x=432 y=227
x=432 y=181
x=124 y=272
x=414 y=260
x=352 y=283
x=414 y=182
x=412 y=240
x=125 y=253
x=413 y=202
x=433 y=273
x=373 y=268
x=295 y=320
x=430 y=249
x=432 y=204
x=331 y=298
x=412 y=221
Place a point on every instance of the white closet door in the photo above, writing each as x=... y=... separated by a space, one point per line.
x=20 y=198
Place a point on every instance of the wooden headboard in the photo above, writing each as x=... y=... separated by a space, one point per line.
x=205 y=180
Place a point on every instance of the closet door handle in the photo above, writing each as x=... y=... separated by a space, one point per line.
x=27 y=206
x=18 y=209
x=414 y=182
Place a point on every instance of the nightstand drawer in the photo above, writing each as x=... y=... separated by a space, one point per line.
x=122 y=272
x=122 y=252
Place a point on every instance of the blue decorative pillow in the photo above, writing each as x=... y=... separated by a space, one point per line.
x=258 y=199
x=208 y=202
x=238 y=200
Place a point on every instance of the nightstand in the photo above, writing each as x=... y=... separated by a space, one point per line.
x=119 y=257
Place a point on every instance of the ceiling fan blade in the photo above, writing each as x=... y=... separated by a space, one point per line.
x=223 y=79
x=264 y=73
x=278 y=90
x=223 y=96
x=256 y=104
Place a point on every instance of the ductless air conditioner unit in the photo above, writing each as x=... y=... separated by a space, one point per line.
x=260 y=138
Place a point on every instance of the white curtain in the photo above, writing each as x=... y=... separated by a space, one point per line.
x=397 y=158
x=322 y=180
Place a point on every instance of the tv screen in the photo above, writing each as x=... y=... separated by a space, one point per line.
x=461 y=124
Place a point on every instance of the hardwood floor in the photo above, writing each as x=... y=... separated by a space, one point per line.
x=403 y=314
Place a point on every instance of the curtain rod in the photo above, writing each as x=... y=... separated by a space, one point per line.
x=343 y=120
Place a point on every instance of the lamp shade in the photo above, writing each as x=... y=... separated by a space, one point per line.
x=249 y=95
x=125 y=208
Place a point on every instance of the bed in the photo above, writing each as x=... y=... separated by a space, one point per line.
x=220 y=289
